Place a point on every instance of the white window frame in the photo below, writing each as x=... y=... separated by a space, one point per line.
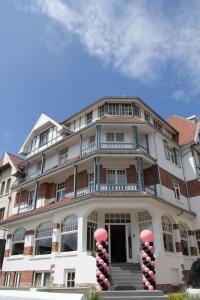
x=89 y=117
x=71 y=228
x=31 y=198
x=18 y=238
x=43 y=231
x=17 y=277
x=144 y=220
x=3 y=184
x=8 y=182
x=147 y=117
x=126 y=109
x=63 y=156
x=176 y=189
x=167 y=229
x=42 y=277
x=92 y=140
x=114 y=137
x=72 y=282
x=116 y=175
x=184 y=236
x=91 y=227
x=45 y=136
x=61 y=190
x=7 y=279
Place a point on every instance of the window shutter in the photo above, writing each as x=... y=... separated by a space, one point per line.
x=166 y=149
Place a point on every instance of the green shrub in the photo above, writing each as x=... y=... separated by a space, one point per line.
x=93 y=253
x=177 y=297
x=94 y=295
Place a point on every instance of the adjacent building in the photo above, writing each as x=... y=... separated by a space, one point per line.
x=115 y=164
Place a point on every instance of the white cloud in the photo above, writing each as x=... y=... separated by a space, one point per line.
x=181 y=96
x=136 y=37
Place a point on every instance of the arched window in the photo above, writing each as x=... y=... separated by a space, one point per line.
x=91 y=227
x=145 y=221
x=18 y=241
x=167 y=234
x=43 y=244
x=69 y=234
x=184 y=239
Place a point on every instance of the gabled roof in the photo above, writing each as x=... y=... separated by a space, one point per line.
x=11 y=160
x=186 y=128
x=43 y=121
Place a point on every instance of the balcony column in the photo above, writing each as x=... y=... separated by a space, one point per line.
x=81 y=143
x=95 y=172
x=29 y=242
x=35 y=194
x=139 y=166
x=192 y=243
x=75 y=178
x=147 y=142
x=98 y=136
x=157 y=229
x=135 y=137
x=177 y=238
x=43 y=163
x=20 y=197
x=55 y=237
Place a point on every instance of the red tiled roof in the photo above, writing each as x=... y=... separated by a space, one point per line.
x=15 y=159
x=185 y=127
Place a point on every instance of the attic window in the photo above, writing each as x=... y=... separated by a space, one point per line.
x=44 y=138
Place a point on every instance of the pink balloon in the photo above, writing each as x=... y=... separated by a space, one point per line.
x=102 y=276
x=99 y=288
x=97 y=244
x=152 y=250
x=144 y=280
x=144 y=255
x=146 y=244
x=106 y=255
x=105 y=265
x=98 y=273
x=147 y=284
x=148 y=258
x=104 y=251
x=146 y=236
x=151 y=288
x=106 y=242
x=106 y=280
x=101 y=261
x=150 y=273
x=146 y=269
x=100 y=247
x=101 y=235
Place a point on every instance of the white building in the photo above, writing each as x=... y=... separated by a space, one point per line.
x=116 y=164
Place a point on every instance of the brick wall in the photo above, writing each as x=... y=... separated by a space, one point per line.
x=102 y=174
x=193 y=188
x=24 y=198
x=82 y=180
x=151 y=176
x=43 y=191
x=70 y=184
x=26 y=279
x=131 y=174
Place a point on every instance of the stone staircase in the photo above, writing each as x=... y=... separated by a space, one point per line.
x=127 y=284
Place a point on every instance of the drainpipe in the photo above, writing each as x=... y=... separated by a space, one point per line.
x=156 y=151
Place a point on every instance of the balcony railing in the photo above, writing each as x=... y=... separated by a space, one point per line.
x=118 y=146
x=85 y=191
x=118 y=187
x=25 y=208
x=88 y=150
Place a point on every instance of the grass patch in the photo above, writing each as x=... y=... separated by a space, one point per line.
x=178 y=296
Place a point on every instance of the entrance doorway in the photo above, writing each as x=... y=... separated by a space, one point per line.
x=118 y=243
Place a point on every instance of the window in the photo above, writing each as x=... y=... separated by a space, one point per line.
x=61 y=189
x=70 y=278
x=43 y=243
x=176 y=189
x=44 y=138
x=112 y=137
x=42 y=279
x=126 y=109
x=69 y=234
x=39 y=166
x=117 y=218
x=92 y=140
x=147 y=117
x=167 y=234
x=2 y=187
x=18 y=241
x=101 y=111
x=89 y=118
x=119 y=137
x=113 y=109
x=157 y=125
x=184 y=239
x=137 y=111
x=16 y=282
x=2 y=211
x=8 y=185
x=91 y=228
x=198 y=239
x=31 y=198
x=7 y=280
x=145 y=221
x=91 y=179
x=117 y=177
x=63 y=156
x=172 y=154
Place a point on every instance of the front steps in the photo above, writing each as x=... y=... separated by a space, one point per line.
x=127 y=284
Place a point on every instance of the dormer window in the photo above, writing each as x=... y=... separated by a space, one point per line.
x=44 y=138
x=89 y=118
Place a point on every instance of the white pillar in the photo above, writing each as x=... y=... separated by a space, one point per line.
x=157 y=230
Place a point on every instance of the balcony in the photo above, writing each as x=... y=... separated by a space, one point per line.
x=113 y=146
x=25 y=208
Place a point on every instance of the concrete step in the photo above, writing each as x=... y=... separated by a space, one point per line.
x=135 y=298
x=124 y=275
x=133 y=295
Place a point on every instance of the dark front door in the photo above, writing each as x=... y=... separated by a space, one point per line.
x=118 y=243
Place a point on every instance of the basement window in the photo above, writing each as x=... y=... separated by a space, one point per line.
x=42 y=279
x=69 y=278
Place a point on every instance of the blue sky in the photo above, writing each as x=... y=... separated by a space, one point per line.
x=58 y=56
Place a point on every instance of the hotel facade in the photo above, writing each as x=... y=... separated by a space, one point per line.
x=116 y=164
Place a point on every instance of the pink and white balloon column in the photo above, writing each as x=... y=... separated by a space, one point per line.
x=148 y=260
x=102 y=261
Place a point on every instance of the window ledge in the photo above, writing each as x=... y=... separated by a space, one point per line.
x=39 y=257
x=66 y=254
x=15 y=257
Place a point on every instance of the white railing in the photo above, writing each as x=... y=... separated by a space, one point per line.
x=85 y=191
x=117 y=145
x=88 y=150
x=25 y=208
x=150 y=189
x=118 y=187
x=69 y=195
x=142 y=148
